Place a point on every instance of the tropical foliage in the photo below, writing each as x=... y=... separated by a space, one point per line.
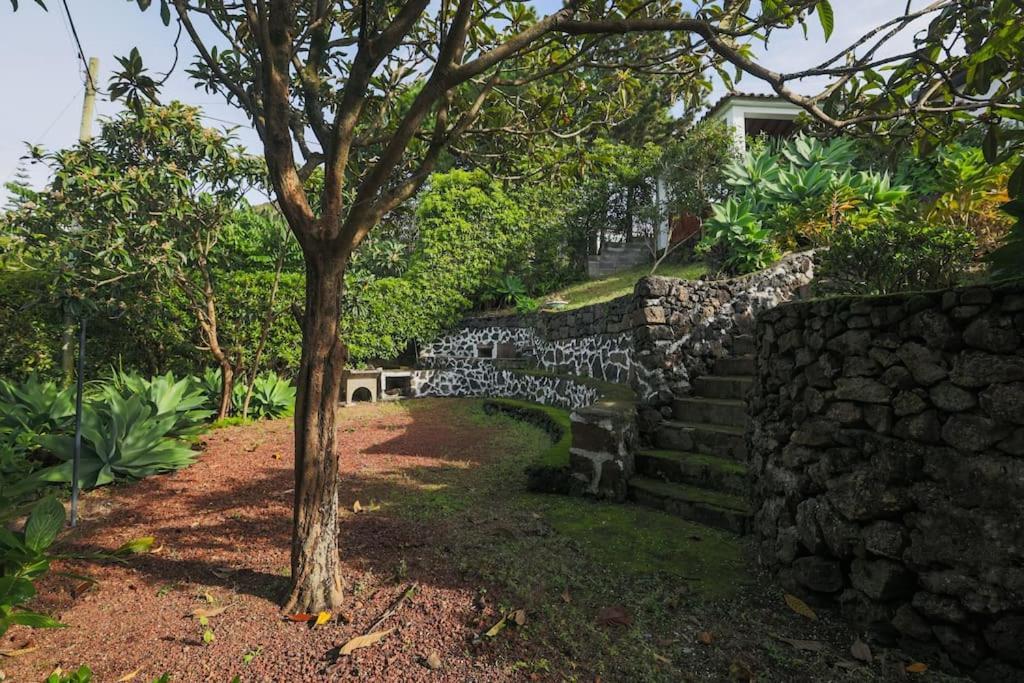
x=24 y=558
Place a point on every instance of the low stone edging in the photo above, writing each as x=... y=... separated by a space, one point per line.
x=602 y=421
x=887 y=448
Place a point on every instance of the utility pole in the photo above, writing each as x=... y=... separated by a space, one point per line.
x=67 y=347
x=84 y=135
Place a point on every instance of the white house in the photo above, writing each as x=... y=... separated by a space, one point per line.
x=752 y=115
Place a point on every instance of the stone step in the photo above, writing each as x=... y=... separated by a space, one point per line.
x=716 y=411
x=734 y=365
x=722 y=386
x=693 y=503
x=693 y=469
x=723 y=441
x=744 y=345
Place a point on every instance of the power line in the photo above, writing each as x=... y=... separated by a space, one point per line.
x=78 y=42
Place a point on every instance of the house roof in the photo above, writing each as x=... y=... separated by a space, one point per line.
x=729 y=97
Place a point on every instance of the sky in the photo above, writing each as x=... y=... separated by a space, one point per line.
x=43 y=77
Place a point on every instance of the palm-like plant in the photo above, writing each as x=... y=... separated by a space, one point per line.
x=168 y=396
x=272 y=396
x=125 y=440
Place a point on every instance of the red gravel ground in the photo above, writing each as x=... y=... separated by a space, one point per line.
x=223 y=528
x=611 y=592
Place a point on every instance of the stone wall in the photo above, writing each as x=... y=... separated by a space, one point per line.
x=887 y=447
x=479 y=378
x=681 y=326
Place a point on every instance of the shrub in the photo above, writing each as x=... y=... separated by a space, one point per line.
x=182 y=399
x=734 y=239
x=23 y=559
x=123 y=439
x=895 y=256
x=272 y=397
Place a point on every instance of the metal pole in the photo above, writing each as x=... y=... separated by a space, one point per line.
x=76 y=457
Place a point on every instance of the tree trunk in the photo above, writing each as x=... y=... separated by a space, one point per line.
x=316 y=581
x=227 y=386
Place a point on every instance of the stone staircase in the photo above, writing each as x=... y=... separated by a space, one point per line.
x=616 y=257
x=698 y=469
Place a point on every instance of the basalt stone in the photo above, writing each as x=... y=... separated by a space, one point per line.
x=978 y=369
x=844 y=412
x=859 y=496
x=951 y=398
x=850 y=342
x=885 y=538
x=860 y=366
x=923 y=427
x=1006 y=638
x=862 y=390
x=818 y=574
x=898 y=377
x=881 y=579
x=939 y=607
x=908 y=403
x=962 y=646
x=933 y=328
x=1013 y=444
x=924 y=364
x=979 y=295
x=970 y=432
x=992 y=333
x=1004 y=402
x=911 y=624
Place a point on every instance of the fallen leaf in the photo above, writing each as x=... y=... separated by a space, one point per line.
x=19 y=652
x=300 y=617
x=433 y=661
x=519 y=616
x=322 y=618
x=136 y=546
x=364 y=641
x=496 y=629
x=861 y=651
x=660 y=658
x=614 y=616
x=356 y=507
x=706 y=637
x=130 y=676
x=276 y=456
x=916 y=668
x=566 y=598
x=207 y=612
x=210 y=600
x=800 y=607
x=806 y=645
x=222 y=573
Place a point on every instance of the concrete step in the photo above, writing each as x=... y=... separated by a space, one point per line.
x=717 y=411
x=722 y=386
x=744 y=345
x=693 y=469
x=693 y=503
x=723 y=441
x=734 y=365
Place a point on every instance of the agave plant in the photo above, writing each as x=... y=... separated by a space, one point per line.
x=757 y=172
x=35 y=406
x=805 y=152
x=735 y=226
x=126 y=439
x=168 y=396
x=272 y=396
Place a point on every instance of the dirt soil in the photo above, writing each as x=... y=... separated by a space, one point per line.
x=606 y=592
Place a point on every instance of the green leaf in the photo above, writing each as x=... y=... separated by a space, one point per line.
x=826 y=16
x=136 y=546
x=34 y=620
x=165 y=12
x=44 y=523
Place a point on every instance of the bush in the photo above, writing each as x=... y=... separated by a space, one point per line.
x=30 y=331
x=895 y=256
x=734 y=239
x=23 y=559
x=122 y=438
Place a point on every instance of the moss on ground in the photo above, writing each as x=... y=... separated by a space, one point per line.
x=723 y=465
x=622 y=283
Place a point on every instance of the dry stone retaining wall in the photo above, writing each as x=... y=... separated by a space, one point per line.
x=887 y=447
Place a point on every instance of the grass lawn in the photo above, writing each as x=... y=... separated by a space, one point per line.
x=622 y=283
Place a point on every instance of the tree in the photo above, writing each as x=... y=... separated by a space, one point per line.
x=375 y=93
x=144 y=202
